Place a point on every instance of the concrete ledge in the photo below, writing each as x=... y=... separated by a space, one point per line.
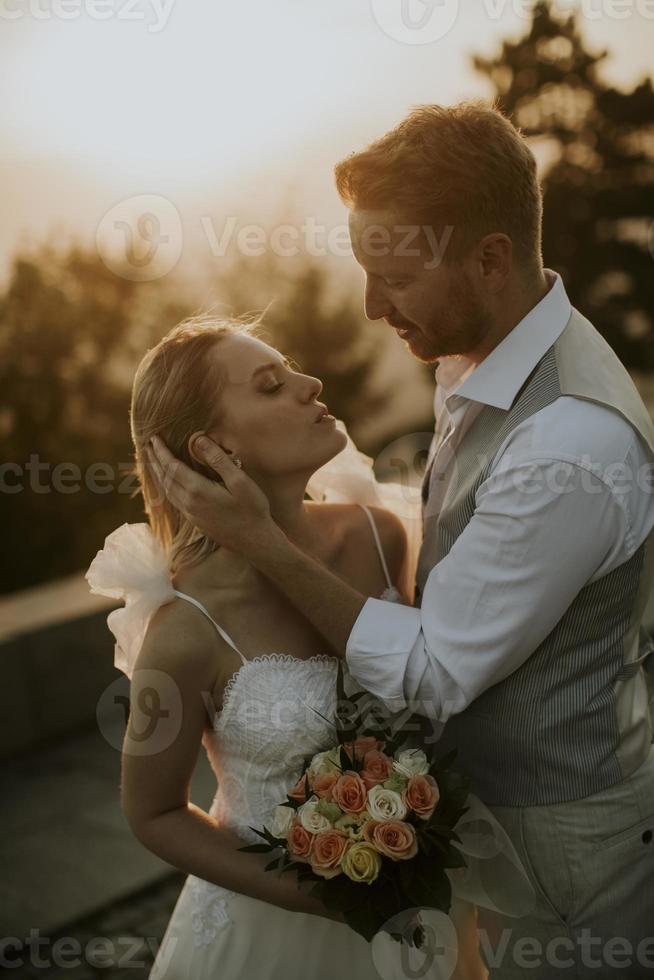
x=56 y=655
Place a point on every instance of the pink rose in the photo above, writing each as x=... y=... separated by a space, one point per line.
x=349 y=792
x=324 y=784
x=327 y=850
x=377 y=767
x=299 y=842
x=299 y=791
x=421 y=795
x=394 y=838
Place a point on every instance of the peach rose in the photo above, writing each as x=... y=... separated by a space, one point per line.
x=327 y=850
x=299 y=791
x=377 y=767
x=324 y=783
x=299 y=842
x=349 y=792
x=363 y=744
x=394 y=838
x=421 y=795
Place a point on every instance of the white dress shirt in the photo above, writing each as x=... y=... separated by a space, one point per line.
x=568 y=498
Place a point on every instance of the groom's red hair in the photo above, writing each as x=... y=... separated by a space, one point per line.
x=464 y=165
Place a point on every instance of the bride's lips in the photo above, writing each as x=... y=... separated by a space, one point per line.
x=323 y=416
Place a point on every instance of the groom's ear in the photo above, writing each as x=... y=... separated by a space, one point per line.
x=495 y=259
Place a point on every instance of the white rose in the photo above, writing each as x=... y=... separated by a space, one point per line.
x=411 y=762
x=385 y=804
x=310 y=818
x=281 y=822
x=322 y=764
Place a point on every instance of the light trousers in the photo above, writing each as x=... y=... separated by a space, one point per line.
x=591 y=862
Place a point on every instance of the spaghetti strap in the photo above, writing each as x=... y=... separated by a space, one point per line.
x=373 y=525
x=226 y=637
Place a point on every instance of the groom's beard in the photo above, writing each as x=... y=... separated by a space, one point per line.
x=459 y=328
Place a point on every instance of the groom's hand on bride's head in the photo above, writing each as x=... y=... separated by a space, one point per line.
x=231 y=511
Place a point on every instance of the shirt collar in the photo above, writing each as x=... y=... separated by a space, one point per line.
x=498 y=378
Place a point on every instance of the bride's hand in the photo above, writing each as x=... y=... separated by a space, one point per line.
x=235 y=514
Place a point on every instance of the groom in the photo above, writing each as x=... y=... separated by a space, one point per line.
x=538 y=551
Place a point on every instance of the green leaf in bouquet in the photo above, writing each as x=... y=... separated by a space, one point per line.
x=444 y=763
x=454 y=786
x=341 y=893
x=364 y=919
x=346 y=762
x=426 y=885
x=386 y=899
x=452 y=803
x=275 y=864
x=316 y=891
x=454 y=858
x=305 y=873
x=257 y=848
x=268 y=837
x=292 y=866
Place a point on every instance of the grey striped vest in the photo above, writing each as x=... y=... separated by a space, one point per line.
x=574 y=718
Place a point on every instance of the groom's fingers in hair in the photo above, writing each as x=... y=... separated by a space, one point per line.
x=176 y=480
x=163 y=464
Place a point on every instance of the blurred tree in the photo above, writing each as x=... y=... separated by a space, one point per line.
x=71 y=333
x=599 y=189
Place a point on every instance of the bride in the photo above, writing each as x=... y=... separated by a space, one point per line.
x=218 y=658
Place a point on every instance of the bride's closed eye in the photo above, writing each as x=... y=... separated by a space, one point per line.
x=273 y=390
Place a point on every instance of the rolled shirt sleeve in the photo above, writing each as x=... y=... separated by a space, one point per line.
x=542 y=529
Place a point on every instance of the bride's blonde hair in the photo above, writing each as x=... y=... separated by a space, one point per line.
x=176 y=392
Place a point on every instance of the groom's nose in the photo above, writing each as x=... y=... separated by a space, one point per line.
x=376 y=304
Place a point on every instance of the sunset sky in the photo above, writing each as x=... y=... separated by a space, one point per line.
x=199 y=101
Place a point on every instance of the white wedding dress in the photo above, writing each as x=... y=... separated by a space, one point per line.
x=276 y=711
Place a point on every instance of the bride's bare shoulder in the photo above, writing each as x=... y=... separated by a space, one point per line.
x=351 y=524
x=180 y=640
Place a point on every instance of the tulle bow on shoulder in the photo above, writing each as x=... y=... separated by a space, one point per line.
x=132 y=566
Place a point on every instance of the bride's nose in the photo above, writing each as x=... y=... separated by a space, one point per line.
x=311 y=387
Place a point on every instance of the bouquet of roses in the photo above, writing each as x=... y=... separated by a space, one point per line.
x=372 y=824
